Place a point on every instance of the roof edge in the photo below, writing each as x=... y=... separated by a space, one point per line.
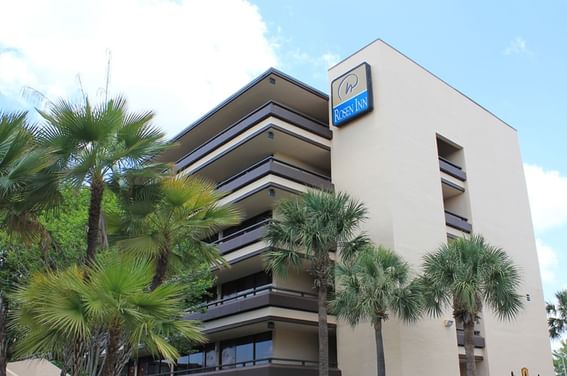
x=431 y=73
x=245 y=88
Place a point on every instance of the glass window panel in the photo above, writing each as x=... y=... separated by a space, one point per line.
x=244 y=353
x=196 y=360
x=182 y=363
x=264 y=349
x=211 y=358
x=228 y=355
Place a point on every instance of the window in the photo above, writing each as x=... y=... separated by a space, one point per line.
x=246 y=284
x=244 y=352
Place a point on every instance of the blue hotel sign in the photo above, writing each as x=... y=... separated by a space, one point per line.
x=351 y=95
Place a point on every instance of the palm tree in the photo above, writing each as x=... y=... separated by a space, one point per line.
x=373 y=285
x=309 y=229
x=95 y=142
x=97 y=323
x=26 y=188
x=167 y=220
x=557 y=320
x=467 y=274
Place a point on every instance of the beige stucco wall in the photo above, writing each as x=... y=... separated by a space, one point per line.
x=295 y=280
x=295 y=343
x=388 y=159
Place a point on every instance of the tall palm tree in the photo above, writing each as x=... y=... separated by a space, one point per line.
x=167 y=220
x=95 y=142
x=97 y=323
x=308 y=229
x=467 y=274
x=557 y=315
x=373 y=285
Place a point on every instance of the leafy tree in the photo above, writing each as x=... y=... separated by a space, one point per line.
x=466 y=274
x=557 y=315
x=93 y=143
x=97 y=323
x=373 y=285
x=169 y=222
x=308 y=229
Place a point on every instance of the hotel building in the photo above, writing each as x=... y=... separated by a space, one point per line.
x=429 y=163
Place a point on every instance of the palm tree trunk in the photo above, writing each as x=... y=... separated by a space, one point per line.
x=97 y=192
x=3 y=336
x=469 y=347
x=323 y=331
x=380 y=361
x=112 y=349
x=162 y=264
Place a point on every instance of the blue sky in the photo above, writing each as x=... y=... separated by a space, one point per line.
x=510 y=56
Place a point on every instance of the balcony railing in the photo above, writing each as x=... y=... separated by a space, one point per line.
x=457 y=221
x=478 y=340
x=271 y=165
x=452 y=169
x=255 y=291
x=270 y=366
x=269 y=109
x=243 y=237
x=255 y=298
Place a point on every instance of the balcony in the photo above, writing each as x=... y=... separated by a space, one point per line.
x=452 y=169
x=456 y=221
x=260 y=367
x=241 y=127
x=478 y=340
x=276 y=167
x=242 y=238
x=256 y=298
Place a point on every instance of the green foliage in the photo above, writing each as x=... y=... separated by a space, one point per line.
x=97 y=141
x=557 y=315
x=309 y=228
x=374 y=284
x=61 y=308
x=168 y=220
x=560 y=359
x=468 y=273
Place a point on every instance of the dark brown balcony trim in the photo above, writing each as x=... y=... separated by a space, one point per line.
x=452 y=169
x=477 y=340
x=269 y=109
x=265 y=319
x=276 y=367
x=277 y=167
x=267 y=296
x=458 y=222
x=242 y=238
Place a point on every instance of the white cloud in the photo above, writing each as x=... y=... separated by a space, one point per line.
x=517 y=46
x=548 y=261
x=179 y=58
x=547 y=190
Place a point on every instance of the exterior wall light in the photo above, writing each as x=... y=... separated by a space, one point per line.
x=448 y=323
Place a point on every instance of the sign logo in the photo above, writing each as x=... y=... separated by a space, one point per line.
x=351 y=95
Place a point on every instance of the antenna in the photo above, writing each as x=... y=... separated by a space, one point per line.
x=109 y=58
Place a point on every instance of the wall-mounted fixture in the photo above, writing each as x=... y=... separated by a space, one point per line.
x=271 y=325
x=272 y=192
x=271 y=135
x=448 y=323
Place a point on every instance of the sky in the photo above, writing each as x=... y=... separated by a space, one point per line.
x=180 y=58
